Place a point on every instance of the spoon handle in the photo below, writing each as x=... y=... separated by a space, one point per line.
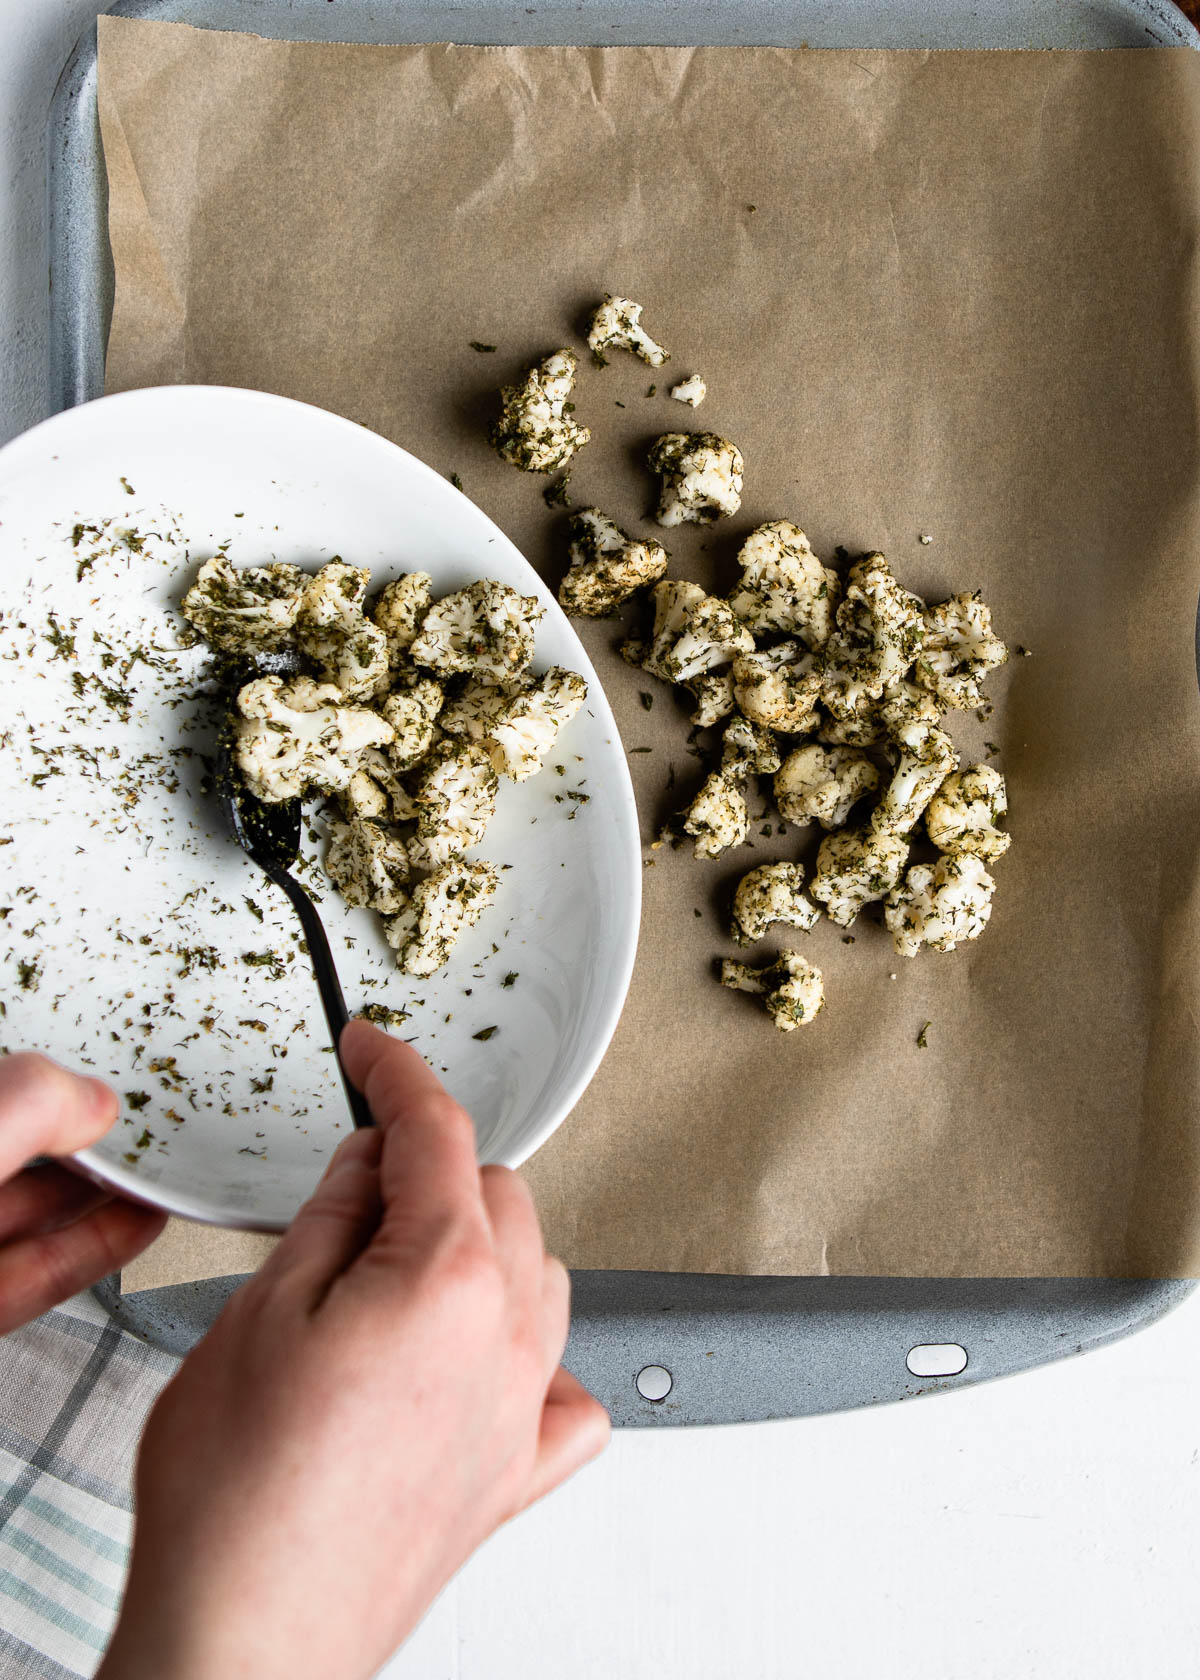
x=327 y=981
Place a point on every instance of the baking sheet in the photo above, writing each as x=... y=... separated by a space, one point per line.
x=1024 y=392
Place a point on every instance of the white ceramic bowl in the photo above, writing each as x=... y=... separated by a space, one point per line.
x=126 y=892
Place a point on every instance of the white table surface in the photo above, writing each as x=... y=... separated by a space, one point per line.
x=1047 y=1525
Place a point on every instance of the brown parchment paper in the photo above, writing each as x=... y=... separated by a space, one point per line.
x=939 y=293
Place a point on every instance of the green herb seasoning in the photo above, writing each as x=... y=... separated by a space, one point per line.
x=382 y=1016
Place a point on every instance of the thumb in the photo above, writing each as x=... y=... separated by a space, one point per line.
x=334 y=1225
x=46 y=1110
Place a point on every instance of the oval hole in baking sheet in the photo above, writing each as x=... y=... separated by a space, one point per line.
x=937 y=1359
x=653 y=1382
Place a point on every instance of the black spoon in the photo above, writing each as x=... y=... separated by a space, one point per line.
x=270 y=834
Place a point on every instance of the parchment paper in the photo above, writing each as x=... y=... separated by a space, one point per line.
x=940 y=293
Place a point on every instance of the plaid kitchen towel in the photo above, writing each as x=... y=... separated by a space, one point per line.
x=74 y=1390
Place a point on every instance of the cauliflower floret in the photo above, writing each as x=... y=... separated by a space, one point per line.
x=616 y=325
x=718 y=816
x=487 y=629
x=693 y=632
x=368 y=866
x=244 y=610
x=959 y=650
x=455 y=799
x=864 y=729
x=296 y=734
x=903 y=705
x=855 y=867
x=701 y=477
x=714 y=697
x=823 y=784
x=792 y=988
x=607 y=565
x=778 y=687
x=376 y=792
x=471 y=715
x=346 y=648
x=878 y=635
x=963 y=813
x=927 y=757
x=528 y=727
x=534 y=429
x=749 y=747
x=770 y=893
x=399 y=608
x=940 y=904
x=364 y=797
x=691 y=391
x=441 y=908
x=784 y=586
x=412 y=712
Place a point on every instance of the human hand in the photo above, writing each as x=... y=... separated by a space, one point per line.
x=368 y=1408
x=58 y=1233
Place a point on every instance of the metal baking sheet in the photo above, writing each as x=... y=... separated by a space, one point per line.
x=710 y=1349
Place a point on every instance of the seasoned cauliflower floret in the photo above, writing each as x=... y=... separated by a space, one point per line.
x=823 y=784
x=784 y=586
x=375 y=791
x=713 y=691
x=878 y=634
x=399 y=608
x=412 y=711
x=346 y=648
x=691 y=391
x=718 y=816
x=855 y=867
x=294 y=734
x=368 y=866
x=927 y=757
x=701 y=477
x=792 y=988
x=528 y=726
x=778 y=687
x=693 y=632
x=487 y=629
x=904 y=704
x=607 y=565
x=959 y=650
x=364 y=797
x=770 y=893
x=940 y=904
x=963 y=814
x=470 y=716
x=441 y=908
x=247 y=609
x=616 y=324
x=864 y=729
x=535 y=429
x=749 y=747
x=455 y=799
